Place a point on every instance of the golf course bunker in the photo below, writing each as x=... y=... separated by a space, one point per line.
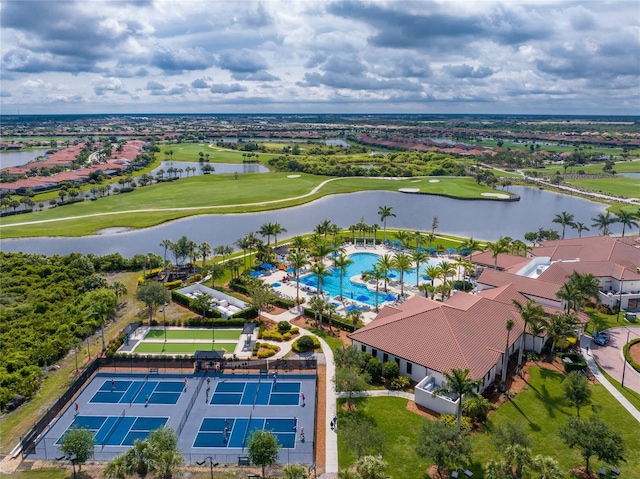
x=434 y=181
x=496 y=195
x=293 y=176
x=409 y=190
x=416 y=181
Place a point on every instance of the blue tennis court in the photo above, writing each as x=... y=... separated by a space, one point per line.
x=117 y=430
x=222 y=432
x=259 y=393
x=136 y=392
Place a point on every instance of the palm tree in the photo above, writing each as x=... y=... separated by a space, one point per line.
x=320 y=270
x=355 y=315
x=432 y=271
x=267 y=229
x=427 y=289
x=298 y=261
x=322 y=228
x=505 y=367
x=565 y=219
x=602 y=222
x=298 y=243
x=570 y=295
x=385 y=212
x=560 y=327
x=532 y=314
x=331 y=311
x=166 y=244
x=459 y=384
x=342 y=262
x=205 y=250
x=402 y=263
x=317 y=305
x=377 y=273
x=546 y=467
x=320 y=249
x=277 y=229
x=404 y=237
x=446 y=269
x=419 y=238
x=386 y=264
x=418 y=257
x=119 y=288
x=580 y=227
x=627 y=219
x=497 y=248
x=586 y=285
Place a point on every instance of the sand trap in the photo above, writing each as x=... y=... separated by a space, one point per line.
x=293 y=176
x=434 y=181
x=496 y=195
x=416 y=181
x=409 y=190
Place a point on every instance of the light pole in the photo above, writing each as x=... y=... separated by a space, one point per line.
x=164 y=320
x=211 y=462
x=620 y=300
x=624 y=359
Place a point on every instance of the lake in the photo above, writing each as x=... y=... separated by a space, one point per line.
x=487 y=220
x=18 y=158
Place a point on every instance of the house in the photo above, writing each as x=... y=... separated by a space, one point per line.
x=428 y=338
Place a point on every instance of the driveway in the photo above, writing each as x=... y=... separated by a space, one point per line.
x=609 y=357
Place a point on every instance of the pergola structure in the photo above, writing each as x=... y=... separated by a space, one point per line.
x=209 y=361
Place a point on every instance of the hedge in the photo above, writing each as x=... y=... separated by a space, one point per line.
x=198 y=321
x=628 y=357
x=577 y=362
x=336 y=321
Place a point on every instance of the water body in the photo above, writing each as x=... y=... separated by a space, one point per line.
x=630 y=175
x=220 y=168
x=486 y=220
x=337 y=142
x=18 y=158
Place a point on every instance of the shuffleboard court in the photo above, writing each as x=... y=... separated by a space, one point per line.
x=258 y=393
x=234 y=432
x=117 y=430
x=137 y=392
x=182 y=348
x=193 y=334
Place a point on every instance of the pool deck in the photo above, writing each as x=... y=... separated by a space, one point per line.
x=287 y=286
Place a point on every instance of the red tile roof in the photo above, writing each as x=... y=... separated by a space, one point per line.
x=505 y=261
x=467 y=331
x=540 y=288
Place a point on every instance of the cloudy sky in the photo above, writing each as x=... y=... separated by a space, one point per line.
x=288 y=56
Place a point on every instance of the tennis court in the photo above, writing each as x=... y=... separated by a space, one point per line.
x=171 y=347
x=225 y=432
x=137 y=392
x=182 y=333
x=259 y=393
x=117 y=430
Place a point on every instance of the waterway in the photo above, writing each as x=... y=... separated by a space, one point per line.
x=487 y=220
x=17 y=158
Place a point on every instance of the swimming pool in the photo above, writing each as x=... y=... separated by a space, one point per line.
x=361 y=262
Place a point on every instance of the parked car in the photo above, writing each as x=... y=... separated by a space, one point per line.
x=600 y=338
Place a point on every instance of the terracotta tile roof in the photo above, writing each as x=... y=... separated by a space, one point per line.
x=465 y=333
x=592 y=248
x=559 y=271
x=542 y=287
x=505 y=261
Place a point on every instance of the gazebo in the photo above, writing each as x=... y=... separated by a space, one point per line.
x=209 y=361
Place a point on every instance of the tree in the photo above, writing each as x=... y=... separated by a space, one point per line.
x=402 y=263
x=576 y=390
x=532 y=314
x=602 y=222
x=205 y=250
x=320 y=270
x=116 y=468
x=580 y=227
x=317 y=305
x=418 y=257
x=471 y=245
x=215 y=271
x=101 y=304
x=594 y=437
x=348 y=357
x=372 y=467
x=444 y=444
x=202 y=302
x=626 y=219
x=508 y=326
x=385 y=212
x=164 y=457
x=260 y=295
x=434 y=226
x=565 y=219
x=390 y=370
x=560 y=327
x=298 y=260
x=152 y=294
x=459 y=384
x=350 y=381
x=510 y=434
x=294 y=471
x=497 y=248
x=546 y=467
x=263 y=448
x=277 y=229
x=361 y=435
x=376 y=274
x=78 y=442
x=342 y=262
x=119 y=288
x=586 y=286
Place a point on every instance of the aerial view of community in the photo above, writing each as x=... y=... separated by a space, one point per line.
x=336 y=239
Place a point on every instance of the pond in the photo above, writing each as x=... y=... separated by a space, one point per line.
x=18 y=158
x=219 y=168
x=487 y=220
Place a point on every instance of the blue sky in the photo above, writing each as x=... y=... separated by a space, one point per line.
x=277 y=56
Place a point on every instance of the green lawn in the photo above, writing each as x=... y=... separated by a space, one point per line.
x=181 y=348
x=632 y=396
x=191 y=152
x=334 y=343
x=194 y=334
x=616 y=186
x=592 y=168
x=540 y=407
x=155 y=204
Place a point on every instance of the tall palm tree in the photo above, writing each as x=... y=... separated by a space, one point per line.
x=166 y=244
x=459 y=384
x=587 y=286
x=446 y=269
x=418 y=257
x=205 y=250
x=402 y=263
x=505 y=364
x=385 y=212
x=320 y=270
x=580 y=227
x=244 y=244
x=355 y=315
x=298 y=261
x=298 y=243
x=497 y=248
x=322 y=228
x=331 y=311
x=277 y=229
x=627 y=219
x=532 y=314
x=377 y=273
x=432 y=271
x=560 y=327
x=404 y=237
x=602 y=222
x=320 y=249
x=386 y=264
x=570 y=295
x=342 y=262
x=317 y=305
x=267 y=230
x=565 y=219
x=419 y=238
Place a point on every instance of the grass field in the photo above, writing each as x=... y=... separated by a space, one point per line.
x=191 y=152
x=541 y=408
x=194 y=334
x=182 y=348
x=153 y=205
x=594 y=168
x=618 y=186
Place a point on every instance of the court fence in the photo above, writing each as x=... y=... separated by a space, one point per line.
x=154 y=364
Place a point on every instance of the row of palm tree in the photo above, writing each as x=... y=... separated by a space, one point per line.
x=602 y=222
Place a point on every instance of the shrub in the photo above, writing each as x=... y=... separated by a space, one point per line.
x=294 y=331
x=628 y=357
x=305 y=343
x=465 y=422
x=266 y=353
x=256 y=346
x=576 y=362
x=390 y=370
x=173 y=284
x=283 y=327
x=272 y=335
x=374 y=368
x=401 y=382
x=477 y=408
x=286 y=336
